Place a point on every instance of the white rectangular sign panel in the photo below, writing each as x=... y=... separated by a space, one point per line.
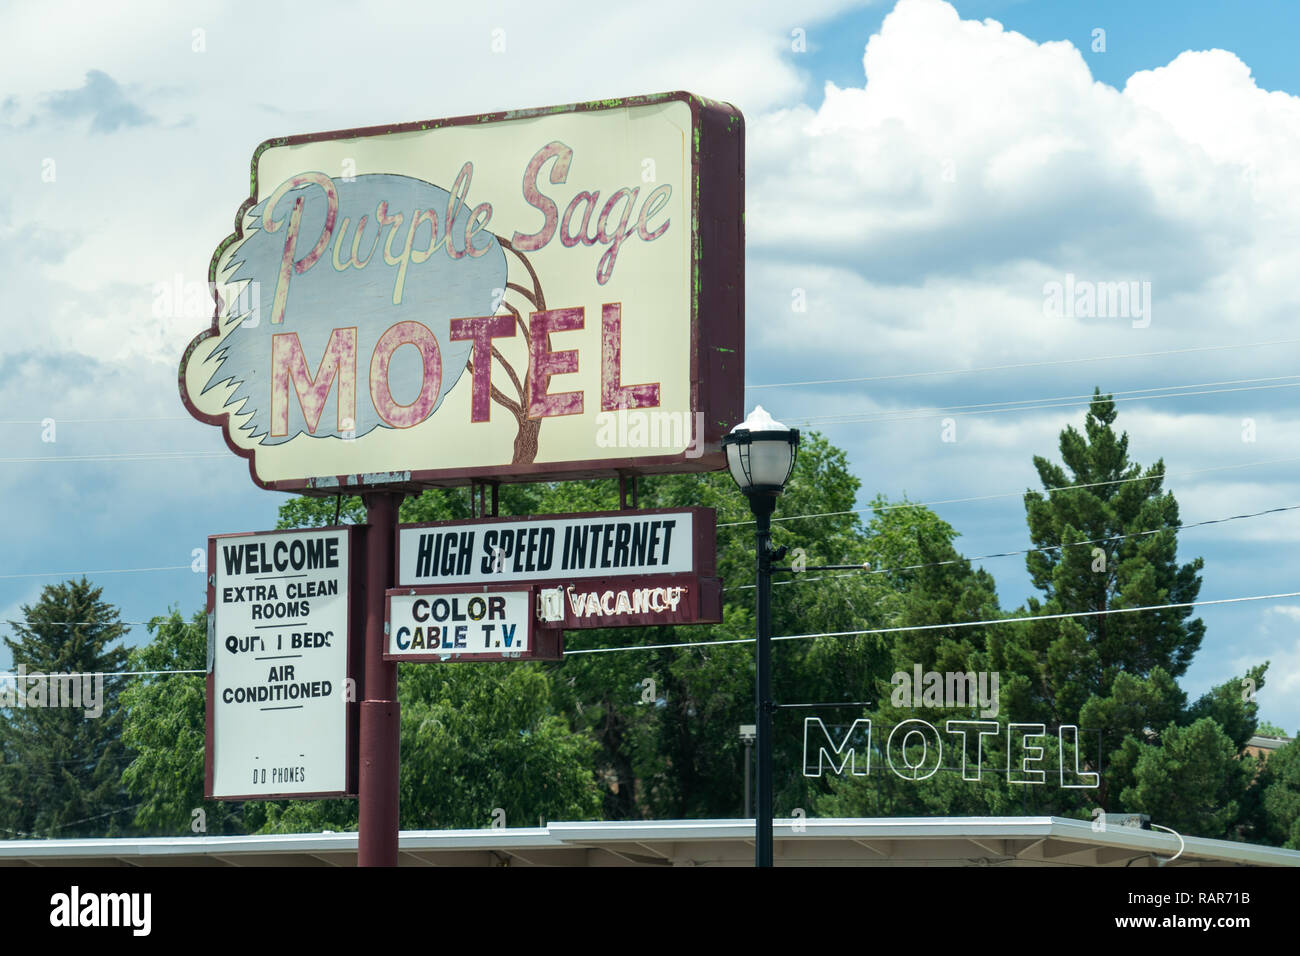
x=553 y=547
x=278 y=650
x=446 y=624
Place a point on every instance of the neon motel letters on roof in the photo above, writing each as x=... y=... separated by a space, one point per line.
x=914 y=750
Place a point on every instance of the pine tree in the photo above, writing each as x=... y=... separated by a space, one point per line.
x=1111 y=544
x=62 y=765
x=164 y=727
x=1106 y=534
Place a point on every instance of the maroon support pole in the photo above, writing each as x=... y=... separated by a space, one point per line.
x=380 y=728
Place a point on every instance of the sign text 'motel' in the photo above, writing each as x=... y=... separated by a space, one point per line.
x=534 y=295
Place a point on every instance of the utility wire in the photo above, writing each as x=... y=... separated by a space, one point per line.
x=1019 y=365
x=40 y=624
x=823 y=514
x=869 y=631
x=122 y=457
x=1090 y=397
x=933 y=627
x=1010 y=494
x=827 y=381
x=73 y=574
x=877 y=630
x=98 y=421
x=827 y=418
x=106 y=674
x=865 y=569
x=877 y=420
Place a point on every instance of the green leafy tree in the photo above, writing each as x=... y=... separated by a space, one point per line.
x=475 y=738
x=61 y=767
x=1105 y=534
x=164 y=725
x=667 y=719
x=1279 y=787
x=435 y=504
x=665 y=722
x=486 y=737
x=1192 y=781
x=1107 y=544
x=925 y=582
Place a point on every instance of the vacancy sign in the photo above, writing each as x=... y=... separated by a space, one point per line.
x=279 y=714
x=632 y=601
x=525 y=296
x=598 y=569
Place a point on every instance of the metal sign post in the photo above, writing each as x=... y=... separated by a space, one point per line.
x=380 y=723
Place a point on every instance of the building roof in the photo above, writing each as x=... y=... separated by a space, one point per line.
x=900 y=841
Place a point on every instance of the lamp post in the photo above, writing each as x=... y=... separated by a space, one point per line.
x=747 y=734
x=761 y=454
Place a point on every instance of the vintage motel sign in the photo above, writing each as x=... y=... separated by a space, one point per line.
x=532 y=295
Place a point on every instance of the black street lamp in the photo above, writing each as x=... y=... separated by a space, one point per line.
x=761 y=454
x=747 y=734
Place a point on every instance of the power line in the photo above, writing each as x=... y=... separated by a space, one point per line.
x=823 y=514
x=878 y=420
x=134 y=806
x=1019 y=365
x=62 y=826
x=1010 y=494
x=97 y=421
x=828 y=381
x=73 y=574
x=1090 y=397
x=869 y=631
x=32 y=627
x=122 y=457
x=7 y=676
x=1008 y=554
x=933 y=627
x=865 y=568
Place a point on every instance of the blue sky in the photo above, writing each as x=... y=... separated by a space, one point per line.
x=921 y=202
x=1139 y=36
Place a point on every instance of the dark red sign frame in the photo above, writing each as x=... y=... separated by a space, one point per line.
x=717 y=307
x=704 y=605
